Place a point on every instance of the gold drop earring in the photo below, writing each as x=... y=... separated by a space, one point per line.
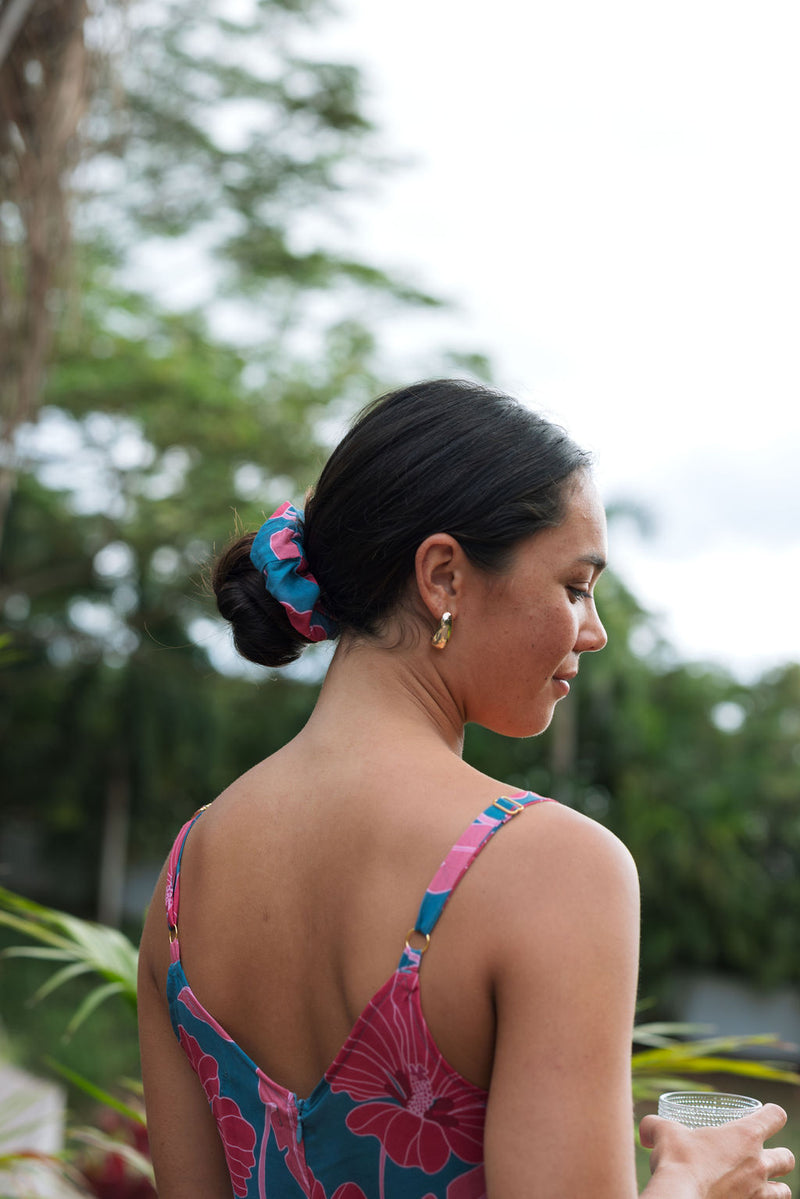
x=442 y=635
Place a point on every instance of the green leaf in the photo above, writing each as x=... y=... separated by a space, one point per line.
x=665 y=1033
x=44 y=955
x=93 y=1000
x=29 y=928
x=667 y=1066
x=651 y=1086
x=86 y=946
x=95 y=1092
x=58 y=979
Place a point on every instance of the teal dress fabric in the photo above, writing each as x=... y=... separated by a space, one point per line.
x=390 y=1118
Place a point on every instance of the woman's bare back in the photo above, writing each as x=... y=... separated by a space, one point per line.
x=296 y=897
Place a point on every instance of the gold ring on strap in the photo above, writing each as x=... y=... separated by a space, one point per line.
x=417 y=948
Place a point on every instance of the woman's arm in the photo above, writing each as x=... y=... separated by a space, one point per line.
x=560 y=1114
x=187 y=1152
x=560 y=1118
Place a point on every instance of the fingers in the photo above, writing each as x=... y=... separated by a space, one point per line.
x=774 y=1190
x=648 y=1129
x=778 y=1162
x=770 y=1117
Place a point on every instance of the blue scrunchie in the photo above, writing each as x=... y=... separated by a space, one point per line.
x=277 y=552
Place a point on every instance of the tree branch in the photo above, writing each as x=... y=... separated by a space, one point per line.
x=11 y=20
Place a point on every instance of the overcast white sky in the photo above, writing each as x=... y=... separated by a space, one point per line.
x=611 y=193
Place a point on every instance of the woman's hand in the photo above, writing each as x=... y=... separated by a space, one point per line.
x=728 y=1162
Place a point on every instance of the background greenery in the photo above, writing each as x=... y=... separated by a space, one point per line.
x=134 y=437
x=155 y=430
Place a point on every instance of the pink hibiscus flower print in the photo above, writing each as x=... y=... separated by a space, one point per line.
x=347 y=1190
x=471 y=1185
x=237 y=1134
x=408 y=1097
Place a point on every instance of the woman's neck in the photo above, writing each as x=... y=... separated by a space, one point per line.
x=375 y=692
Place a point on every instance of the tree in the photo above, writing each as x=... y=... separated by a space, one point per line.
x=212 y=136
x=43 y=88
x=154 y=427
x=105 y=569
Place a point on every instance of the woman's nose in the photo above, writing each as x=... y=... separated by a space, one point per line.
x=593 y=634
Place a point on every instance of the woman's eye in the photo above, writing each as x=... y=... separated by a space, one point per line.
x=579 y=593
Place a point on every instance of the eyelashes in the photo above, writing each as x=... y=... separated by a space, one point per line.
x=579 y=593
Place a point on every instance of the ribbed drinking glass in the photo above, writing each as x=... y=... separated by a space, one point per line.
x=704 y=1109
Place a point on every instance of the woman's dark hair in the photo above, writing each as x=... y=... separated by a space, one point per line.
x=446 y=456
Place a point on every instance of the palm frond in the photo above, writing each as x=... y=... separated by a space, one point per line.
x=667 y=1065
x=82 y=947
x=134 y=1114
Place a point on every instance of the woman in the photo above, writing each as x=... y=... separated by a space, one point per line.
x=297 y=1039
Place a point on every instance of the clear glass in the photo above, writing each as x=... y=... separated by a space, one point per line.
x=704 y=1109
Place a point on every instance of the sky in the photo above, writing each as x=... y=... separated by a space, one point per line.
x=609 y=195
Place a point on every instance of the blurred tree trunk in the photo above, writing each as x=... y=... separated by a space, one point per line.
x=43 y=88
x=114 y=849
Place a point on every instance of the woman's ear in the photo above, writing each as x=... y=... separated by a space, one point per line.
x=439 y=570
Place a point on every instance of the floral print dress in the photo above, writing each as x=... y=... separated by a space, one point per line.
x=390 y=1119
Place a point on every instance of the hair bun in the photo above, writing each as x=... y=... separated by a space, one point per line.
x=262 y=632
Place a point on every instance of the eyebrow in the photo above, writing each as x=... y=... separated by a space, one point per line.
x=594 y=560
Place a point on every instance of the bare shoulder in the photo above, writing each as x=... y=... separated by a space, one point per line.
x=558 y=829
x=575 y=875
x=559 y=839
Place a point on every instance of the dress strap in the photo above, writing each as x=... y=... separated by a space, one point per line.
x=173 y=891
x=455 y=866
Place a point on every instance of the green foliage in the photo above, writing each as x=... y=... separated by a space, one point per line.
x=705 y=812
x=85 y=1085
x=157 y=435
x=232 y=129
x=675 y=1056
x=81 y=948
x=118 y=707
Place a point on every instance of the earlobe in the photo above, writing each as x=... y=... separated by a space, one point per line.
x=439 y=573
